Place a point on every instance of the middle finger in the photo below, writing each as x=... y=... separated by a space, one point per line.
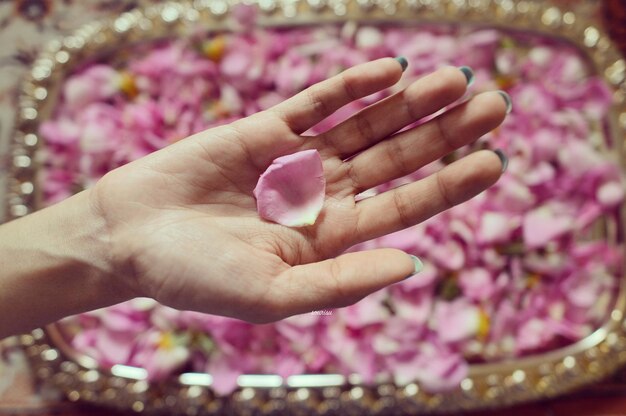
x=408 y=151
x=423 y=97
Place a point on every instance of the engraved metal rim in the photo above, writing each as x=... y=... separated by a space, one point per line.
x=487 y=385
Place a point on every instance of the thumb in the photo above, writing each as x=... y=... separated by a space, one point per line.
x=344 y=280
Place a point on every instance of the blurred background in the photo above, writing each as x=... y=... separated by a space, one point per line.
x=26 y=25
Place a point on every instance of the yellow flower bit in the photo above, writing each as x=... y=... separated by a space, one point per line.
x=532 y=279
x=504 y=82
x=167 y=341
x=217 y=110
x=214 y=48
x=484 y=324
x=127 y=84
x=507 y=43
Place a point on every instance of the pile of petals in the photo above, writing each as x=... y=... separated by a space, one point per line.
x=521 y=269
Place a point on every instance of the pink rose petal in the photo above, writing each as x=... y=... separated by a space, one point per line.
x=96 y=83
x=291 y=191
x=533 y=334
x=476 y=283
x=610 y=194
x=456 y=320
x=442 y=373
x=543 y=225
x=449 y=255
x=225 y=372
x=494 y=228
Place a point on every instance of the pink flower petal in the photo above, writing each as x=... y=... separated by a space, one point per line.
x=368 y=311
x=417 y=311
x=449 y=255
x=494 y=228
x=291 y=191
x=289 y=365
x=533 y=334
x=115 y=347
x=63 y=131
x=477 y=283
x=589 y=212
x=96 y=83
x=225 y=372
x=542 y=225
x=405 y=240
x=610 y=194
x=456 y=320
x=442 y=373
x=236 y=63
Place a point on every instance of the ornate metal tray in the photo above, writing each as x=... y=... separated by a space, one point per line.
x=488 y=385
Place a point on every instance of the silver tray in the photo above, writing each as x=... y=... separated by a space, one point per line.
x=487 y=385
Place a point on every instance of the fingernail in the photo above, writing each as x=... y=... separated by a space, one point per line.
x=507 y=100
x=469 y=74
x=503 y=159
x=403 y=62
x=419 y=266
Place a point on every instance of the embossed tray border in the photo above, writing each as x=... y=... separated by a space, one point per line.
x=487 y=385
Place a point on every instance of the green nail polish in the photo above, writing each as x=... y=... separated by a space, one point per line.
x=469 y=74
x=419 y=266
x=503 y=159
x=403 y=62
x=507 y=100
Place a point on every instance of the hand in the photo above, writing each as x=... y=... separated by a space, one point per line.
x=183 y=226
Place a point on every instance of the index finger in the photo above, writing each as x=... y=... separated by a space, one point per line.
x=309 y=107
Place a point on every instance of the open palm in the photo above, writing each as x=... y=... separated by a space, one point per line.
x=183 y=224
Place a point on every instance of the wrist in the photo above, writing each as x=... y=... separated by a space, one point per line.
x=78 y=238
x=54 y=263
x=92 y=247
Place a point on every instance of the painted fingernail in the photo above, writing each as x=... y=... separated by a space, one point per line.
x=419 y=266
x=403 y=62
x=469 y=74
x=507 y=100
x=503 y=159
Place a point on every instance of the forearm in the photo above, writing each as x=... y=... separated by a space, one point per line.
x=54 y=263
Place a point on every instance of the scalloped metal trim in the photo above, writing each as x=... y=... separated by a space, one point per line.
x=488 y=385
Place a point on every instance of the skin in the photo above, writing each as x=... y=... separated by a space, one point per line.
x=181 y=226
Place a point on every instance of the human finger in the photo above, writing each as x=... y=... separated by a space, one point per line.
x=343 y=280
x=413 y=203
x=410 y=150
x=309 y=107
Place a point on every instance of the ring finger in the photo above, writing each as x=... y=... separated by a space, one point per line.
x=408 y=151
